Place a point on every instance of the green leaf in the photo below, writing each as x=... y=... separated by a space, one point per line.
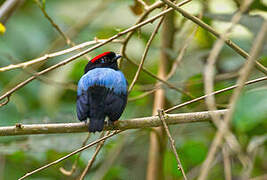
x=116 y=172
x=77 y=70
x=203 y=37
x=251 y=110
x=170 y=165
x=194 y=152
x=195 y=86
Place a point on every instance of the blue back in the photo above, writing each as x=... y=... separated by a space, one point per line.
x=106 y=77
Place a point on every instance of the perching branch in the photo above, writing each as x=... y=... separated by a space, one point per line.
x=145 y=122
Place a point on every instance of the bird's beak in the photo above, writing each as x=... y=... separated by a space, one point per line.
x=117 y=57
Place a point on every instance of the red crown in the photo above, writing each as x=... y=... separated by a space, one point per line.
x=100 y=56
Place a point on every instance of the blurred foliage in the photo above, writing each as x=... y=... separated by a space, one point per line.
x=251 y=114
x=29 y=35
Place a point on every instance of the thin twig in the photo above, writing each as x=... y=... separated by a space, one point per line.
x=205 y=26
x=171 y=86
x=211 y=60
x=5 y=102
x=157 y=4
x=70 y=59
x=74 y=166
x=69 y=155
x=91 y=161
x=244 y=73
x=31 y=71
x=192 y=174
x=52 y=22
x=216 y=92
x=140 y=66
x=110 y=158
x=209 y=86
x=179 y=164
x=143 y=94
x=51 y=55
x=145 y=54
x=78 y=25
x=172 y=71
x=67 y=39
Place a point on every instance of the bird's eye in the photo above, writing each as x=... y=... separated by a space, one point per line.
x=102 y=60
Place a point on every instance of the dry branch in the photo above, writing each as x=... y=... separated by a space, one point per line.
x=52 y=22
x=179 y=164
x=69 y=155
x=74 y=165
x=145 y=122
x=244 y=74
x=140 y=19
x=215 y=92
x=205 y=26
x=209 y=72
x=70 y=59
x=145 y=54
x=51 y=55
x=174 y=66
x=92 y=160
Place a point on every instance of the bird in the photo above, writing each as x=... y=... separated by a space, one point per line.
x=102 y=92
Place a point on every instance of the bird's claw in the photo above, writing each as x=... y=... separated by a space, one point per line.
x=110 y=123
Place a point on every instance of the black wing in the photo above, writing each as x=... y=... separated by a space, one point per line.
x=114 y=105
x=82 y=106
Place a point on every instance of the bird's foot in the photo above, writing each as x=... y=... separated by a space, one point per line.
x=110 y=123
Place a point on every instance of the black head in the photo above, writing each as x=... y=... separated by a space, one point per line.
x=104 y=60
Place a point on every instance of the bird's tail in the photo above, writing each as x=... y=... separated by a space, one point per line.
x=96 y=124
